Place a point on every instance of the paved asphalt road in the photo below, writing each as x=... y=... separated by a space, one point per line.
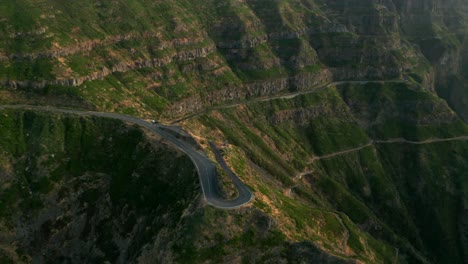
x=243 y=192
x=205 y=167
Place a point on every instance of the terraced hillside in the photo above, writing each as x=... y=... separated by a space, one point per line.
x=346 y=118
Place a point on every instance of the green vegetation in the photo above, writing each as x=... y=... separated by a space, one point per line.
x=251 y=238
x=325 y=182
x=389 y=189
x=407 y=113
x=88 y=168
x=40 y=69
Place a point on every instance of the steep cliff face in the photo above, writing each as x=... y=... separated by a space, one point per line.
x=439 y=28
x=369 y=169
x=172 y=55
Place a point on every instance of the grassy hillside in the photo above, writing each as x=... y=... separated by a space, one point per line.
x=356 y=171
x=335 y=150
x=76 y=189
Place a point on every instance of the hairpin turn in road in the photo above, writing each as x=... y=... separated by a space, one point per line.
x=205 y=167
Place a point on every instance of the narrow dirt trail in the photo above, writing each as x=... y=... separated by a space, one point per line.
x=331 y=155
x=298 y=177
x=278 y=96
x=389 y=141
x=428 y=141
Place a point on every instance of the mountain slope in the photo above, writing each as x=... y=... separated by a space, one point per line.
x=180 y=56
x=346 y=118
x=388 y=156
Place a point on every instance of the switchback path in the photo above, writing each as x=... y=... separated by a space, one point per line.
x=235 y=180
x=205 y=167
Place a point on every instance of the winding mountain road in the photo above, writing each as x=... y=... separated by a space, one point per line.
x=205 y=167
x=235 y=180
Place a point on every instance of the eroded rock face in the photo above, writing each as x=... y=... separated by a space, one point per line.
x=422 y=21
x=235 y=50
x=178 y=59
x=120 y=67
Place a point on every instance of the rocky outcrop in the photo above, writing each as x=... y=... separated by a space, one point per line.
x=377 y=41
x=187 y=55
x=89 y=45
x=79 y=191
x=299 y=82
x=439 y=29
x=343 y=43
